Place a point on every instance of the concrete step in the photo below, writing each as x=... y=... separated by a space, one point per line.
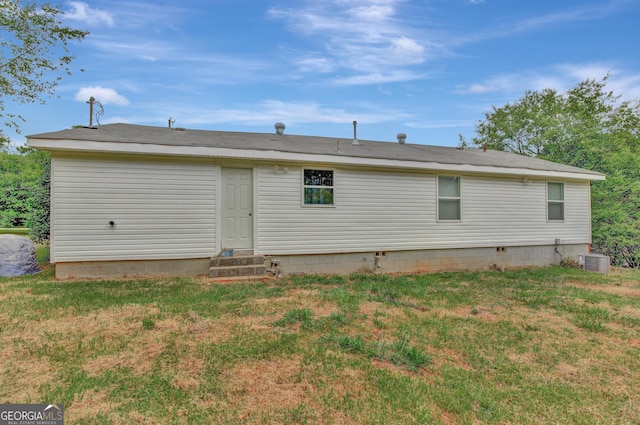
x=245 y=260
x=238 y=271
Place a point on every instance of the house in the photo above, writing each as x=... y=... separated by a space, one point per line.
x=131 y=200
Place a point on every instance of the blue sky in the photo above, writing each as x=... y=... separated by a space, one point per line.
x=427 y=68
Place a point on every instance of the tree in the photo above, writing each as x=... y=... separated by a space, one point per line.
x=38 y=217
x=4 y=143
x=34 y=51
x=586 y=127
x=523 y=127
x=19 y=176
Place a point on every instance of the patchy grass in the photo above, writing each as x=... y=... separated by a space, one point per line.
x=42 y=254
x=24 y=231
x=550 y=345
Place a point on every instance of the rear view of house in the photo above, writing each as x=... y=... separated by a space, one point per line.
x=130 y=200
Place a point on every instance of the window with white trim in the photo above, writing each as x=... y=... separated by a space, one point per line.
x=555 y=201
x=449 y=199
x=318 y=187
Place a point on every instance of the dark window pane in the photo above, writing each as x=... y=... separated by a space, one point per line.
x=556 y=211
x=449 y=209
x=448 y=186
x=318 y=178
x=318 y=196
x=555 y=191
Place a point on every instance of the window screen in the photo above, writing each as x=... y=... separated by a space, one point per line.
x=555 y=201
x=449 y=198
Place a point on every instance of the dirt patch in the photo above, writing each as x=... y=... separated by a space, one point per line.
x=535 y=320
x=261 y=385
x=629 y=311
x=23 y=375
x=295 y=298
x=140 y=358
x=89 y=404
x=625 y=289
x=442 y=356
x=28 y=347
x=222 y=328
x=566 y=372
x=371 y=308
x=478 y=312
x=138 y=418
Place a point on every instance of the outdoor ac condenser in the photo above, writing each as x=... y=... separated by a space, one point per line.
x=596 y=263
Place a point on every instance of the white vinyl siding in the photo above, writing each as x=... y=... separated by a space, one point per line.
x=373 y=206
x=395 y=210
x=162 y=209
x=166 y=209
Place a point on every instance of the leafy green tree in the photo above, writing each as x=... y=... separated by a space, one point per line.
x=34 y=51
x=586 y=127
x=4 y=143
x=38 y=217
x=19 y=176
x=523 y=127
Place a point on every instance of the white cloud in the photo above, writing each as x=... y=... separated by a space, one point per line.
x=509 y=27
x=82 y=12
x=267 y=112
x=622 y=81
x=372 y=12
x=148 y=50
x=270 y=111
x=379 y=78
x=101 y=94
x=314 y=64
x=407 y=50
x=441 y=124
x=560 y=77
x=370 y=38
x=503 y=83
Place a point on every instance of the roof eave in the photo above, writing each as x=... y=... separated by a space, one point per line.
x=273 y=155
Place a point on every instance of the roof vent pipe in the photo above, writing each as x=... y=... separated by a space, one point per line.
x=279 y=128
x=355 y=137
x=401 y=138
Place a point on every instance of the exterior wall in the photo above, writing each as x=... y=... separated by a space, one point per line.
x=131 y=269
x=423 y=261
x=429 y=261
x=161 y=209
x=382 y=210
x=165 y=210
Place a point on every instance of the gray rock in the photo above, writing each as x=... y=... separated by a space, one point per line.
x=17 y=256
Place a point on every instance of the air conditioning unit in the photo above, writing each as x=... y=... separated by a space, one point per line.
x=596 y=263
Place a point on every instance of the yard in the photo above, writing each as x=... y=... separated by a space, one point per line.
x=552 y=345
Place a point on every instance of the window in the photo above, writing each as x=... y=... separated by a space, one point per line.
x=555 y=201
x=318 y=187
x=449 y=198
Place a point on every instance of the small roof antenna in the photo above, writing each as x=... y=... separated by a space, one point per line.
x=355 y=137
x=92 y=101
x=171 y=121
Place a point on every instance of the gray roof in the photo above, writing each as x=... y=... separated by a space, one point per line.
x=290 y=143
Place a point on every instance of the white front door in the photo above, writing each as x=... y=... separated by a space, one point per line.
x=237 y=208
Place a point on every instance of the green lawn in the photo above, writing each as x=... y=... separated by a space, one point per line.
x=23 y=231
x=550 y=345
